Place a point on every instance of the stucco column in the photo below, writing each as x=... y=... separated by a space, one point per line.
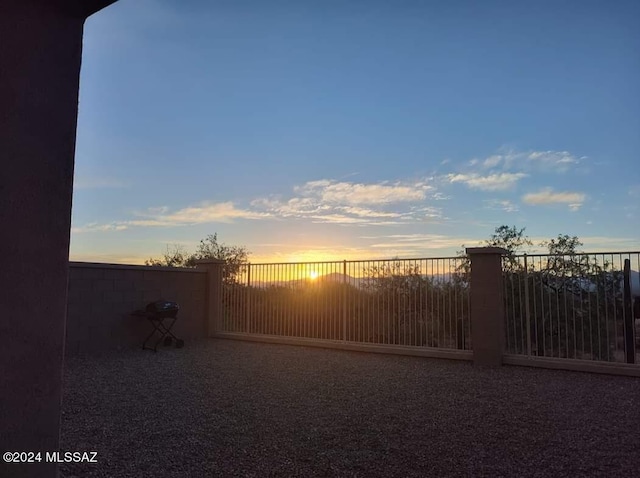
x=487 y=305
x=214 y=294
x=40 y=53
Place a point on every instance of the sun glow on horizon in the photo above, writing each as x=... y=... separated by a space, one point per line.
x=313 y=275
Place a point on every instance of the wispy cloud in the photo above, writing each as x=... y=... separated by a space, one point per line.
x=560 y=159
x=365 y=212
x=491 y=182
x=501 y=204
x=338 y=219
x=95 y=227
x=418 y=242
x=547 y=196
x=204 y=213
x=549 y=160
x=439 y=197
x=493 y=161
x=604 y=243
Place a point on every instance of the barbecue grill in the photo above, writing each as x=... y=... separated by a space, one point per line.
x=162 y=315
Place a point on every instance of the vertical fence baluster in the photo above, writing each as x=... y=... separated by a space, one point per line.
x=565 y=306
x=526 y=301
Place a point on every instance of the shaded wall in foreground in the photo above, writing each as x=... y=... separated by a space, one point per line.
x=40 y=56
x=102 y=297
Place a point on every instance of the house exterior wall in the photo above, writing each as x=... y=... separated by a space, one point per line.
x=40 y=51
x=40 y=55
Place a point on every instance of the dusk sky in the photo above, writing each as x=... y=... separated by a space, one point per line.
x=314 y=130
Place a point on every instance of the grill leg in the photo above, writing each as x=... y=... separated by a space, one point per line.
x=156 y=329
x=164 y=332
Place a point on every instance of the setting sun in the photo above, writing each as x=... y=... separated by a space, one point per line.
x=313 y=275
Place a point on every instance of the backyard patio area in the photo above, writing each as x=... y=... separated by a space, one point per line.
x=231 y=408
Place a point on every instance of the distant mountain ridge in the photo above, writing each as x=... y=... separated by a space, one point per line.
x=360 y=282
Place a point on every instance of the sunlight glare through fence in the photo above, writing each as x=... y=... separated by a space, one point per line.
x=408 y=302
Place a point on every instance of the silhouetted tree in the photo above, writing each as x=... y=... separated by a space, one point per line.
x=174 y=256
x=510 y=238
x=235 y=257
x=569 y=297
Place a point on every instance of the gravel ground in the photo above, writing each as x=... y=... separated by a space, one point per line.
x=228 y=408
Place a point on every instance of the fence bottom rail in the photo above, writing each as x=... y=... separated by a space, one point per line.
x=352 y=346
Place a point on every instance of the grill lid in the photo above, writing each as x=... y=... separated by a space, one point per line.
x=160 y=306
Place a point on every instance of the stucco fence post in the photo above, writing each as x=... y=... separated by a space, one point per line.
x=214 y=294
x=487 y=305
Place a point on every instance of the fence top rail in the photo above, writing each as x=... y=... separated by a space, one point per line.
x=397 y=259
x=621 y=253
x=409 y=259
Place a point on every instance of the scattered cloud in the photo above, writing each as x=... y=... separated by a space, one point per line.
x=491 y=182
x=502 y=171
x=341 y=202
x=501 y=204
x=388 y=203
x=294 y=207
x=334 y=192
x=547 y=196
x=323 y=201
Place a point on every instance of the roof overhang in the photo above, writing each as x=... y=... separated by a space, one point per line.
x=78 y=8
